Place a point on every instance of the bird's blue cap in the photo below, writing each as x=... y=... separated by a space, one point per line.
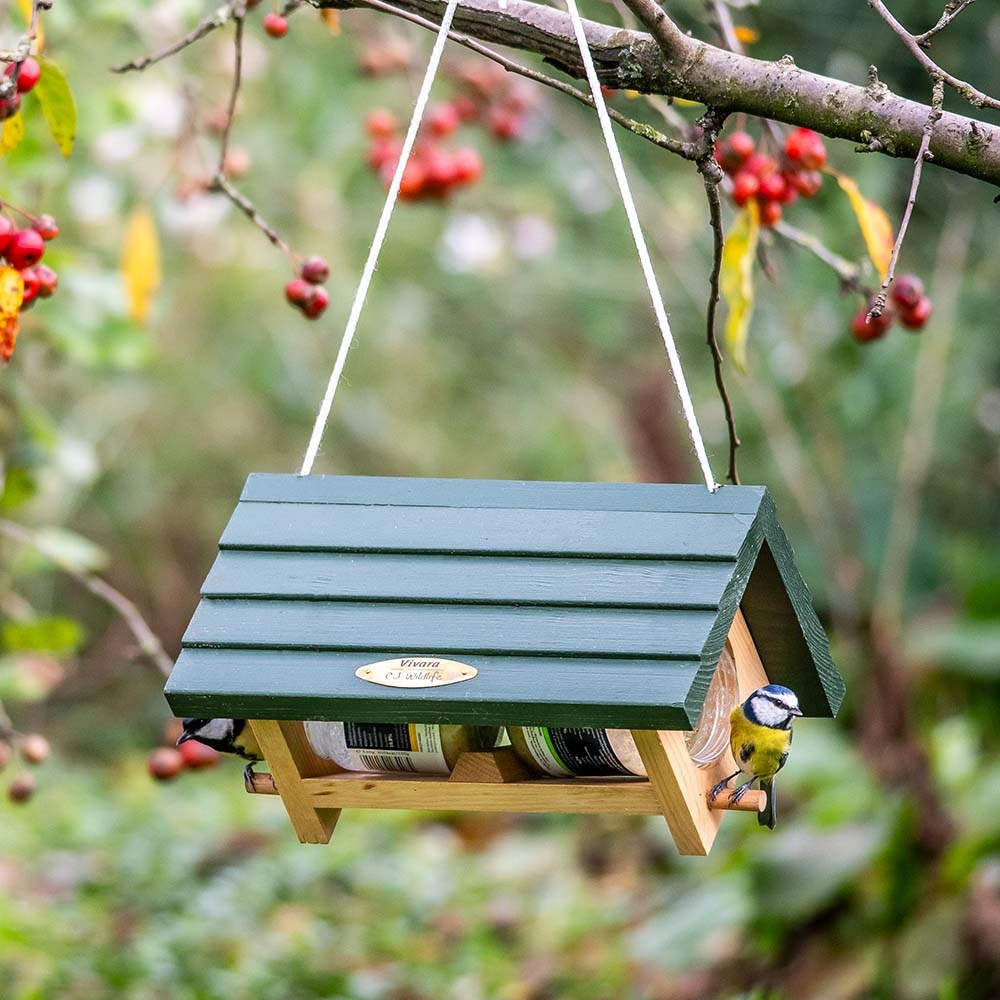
x=778 y=689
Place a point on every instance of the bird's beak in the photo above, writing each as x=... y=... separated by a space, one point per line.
x=795 y=711
x=184 y=737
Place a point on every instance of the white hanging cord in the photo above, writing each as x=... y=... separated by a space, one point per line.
x=640 y=245
x=383 y=225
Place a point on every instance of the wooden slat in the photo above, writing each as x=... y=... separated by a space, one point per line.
x=447 y=629
x=271 y=488
x=348 y=528
x=291 y=759
x=375 y=791
x=527 y=691
x=468 y=579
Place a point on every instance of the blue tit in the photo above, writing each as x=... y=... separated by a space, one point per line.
x=760 y=736
x=225 y=735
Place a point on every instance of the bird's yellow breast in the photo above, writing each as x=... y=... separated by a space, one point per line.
x=759 y=750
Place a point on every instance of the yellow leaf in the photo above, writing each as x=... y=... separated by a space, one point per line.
x=140 y=264
x=632 y=95
x=875 y=225
x=11 y=294
x=683 y=102
x=13 y=133
x=332 y=19
x=26 y=6
x=736 y=281
x=746 y=35
x=58 y=106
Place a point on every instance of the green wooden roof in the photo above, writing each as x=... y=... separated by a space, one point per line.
x=594 y=604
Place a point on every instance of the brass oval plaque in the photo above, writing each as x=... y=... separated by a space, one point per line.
x=416 y=672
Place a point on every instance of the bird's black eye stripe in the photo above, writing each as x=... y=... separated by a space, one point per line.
x=780 y=704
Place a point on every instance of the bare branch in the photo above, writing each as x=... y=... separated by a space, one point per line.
x=849 y=274
x=222 y=185
x=975 y=97
x=918 y=166
x=697 y=71
x=239 y=16
x=149 y=645
x=951 y=10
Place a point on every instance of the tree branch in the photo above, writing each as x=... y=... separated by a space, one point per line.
x=149 y=645
x=951 y=10
x=731 y=82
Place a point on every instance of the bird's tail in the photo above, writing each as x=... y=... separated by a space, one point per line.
x=770 y=814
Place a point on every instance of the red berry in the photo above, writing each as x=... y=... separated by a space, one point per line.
x=315 y=270
x=21 y=788
x=413 y=181
x=467 y=165
x=465 y=107
x=30 y=74
x=745 y=186
x=804 y=146
x=772 y=188
x=7 y=230
x=25 y=249
x=914 y=317
x=733 y=152
x=907 y=290
x=806 y=182
x=197 y=755
x=34 y=748
x=32 y=286
x=165 y=763
x=439 y=169
x=770 y=213
x=298 y=291
x=760 y=165
x=48 y=281
x=381 y=123
x=10 y=106
x=442 y=119
x=317 y=303
x=864 y=330
x=383 y=152
x=505 y=124
x=46 y=227
x=275 y=25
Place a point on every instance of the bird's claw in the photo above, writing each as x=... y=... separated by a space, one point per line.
x=718 y=790
x=248 y=776
x=739 y=792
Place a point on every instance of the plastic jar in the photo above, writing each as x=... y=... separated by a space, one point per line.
x=564 y=752
x=377 y=746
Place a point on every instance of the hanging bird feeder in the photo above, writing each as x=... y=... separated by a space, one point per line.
x=566 y=604
x=648 y=609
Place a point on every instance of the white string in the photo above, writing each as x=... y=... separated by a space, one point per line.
x=640 y=245
x=383 y=225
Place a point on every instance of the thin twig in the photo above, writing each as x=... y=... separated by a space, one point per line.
x=239 y=16
x=683 y=149
x=711 y=124
x=849 y=274
x=975 y=97
x=149 y=645
x=222 y=16
x=917 y=448
x=951 y=10
x=16 y=57
x=923 y=153
x=222 y=185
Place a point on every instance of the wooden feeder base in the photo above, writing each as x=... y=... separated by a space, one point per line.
x=497 y=781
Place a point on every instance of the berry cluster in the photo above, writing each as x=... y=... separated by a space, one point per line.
x=432 y=170
x=22 y=249
x=28 y=73
x=166 y=762
x=907 y=303
x=33 y=749
x=306 y=292
x=769 y=181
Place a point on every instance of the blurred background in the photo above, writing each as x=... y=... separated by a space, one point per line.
x=507 y=335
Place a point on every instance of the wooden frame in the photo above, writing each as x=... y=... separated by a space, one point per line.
x=314 y=791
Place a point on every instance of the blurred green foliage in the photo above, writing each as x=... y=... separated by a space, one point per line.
x=507 y=335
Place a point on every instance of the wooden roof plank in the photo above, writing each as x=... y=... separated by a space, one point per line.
x=402 y=491
x=468 y=579
x=350 y=528
x=443 y=629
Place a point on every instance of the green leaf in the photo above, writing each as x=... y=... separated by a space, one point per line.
x=58 y=106
x=70 y=549
x=57 y=636
x=736 y=281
